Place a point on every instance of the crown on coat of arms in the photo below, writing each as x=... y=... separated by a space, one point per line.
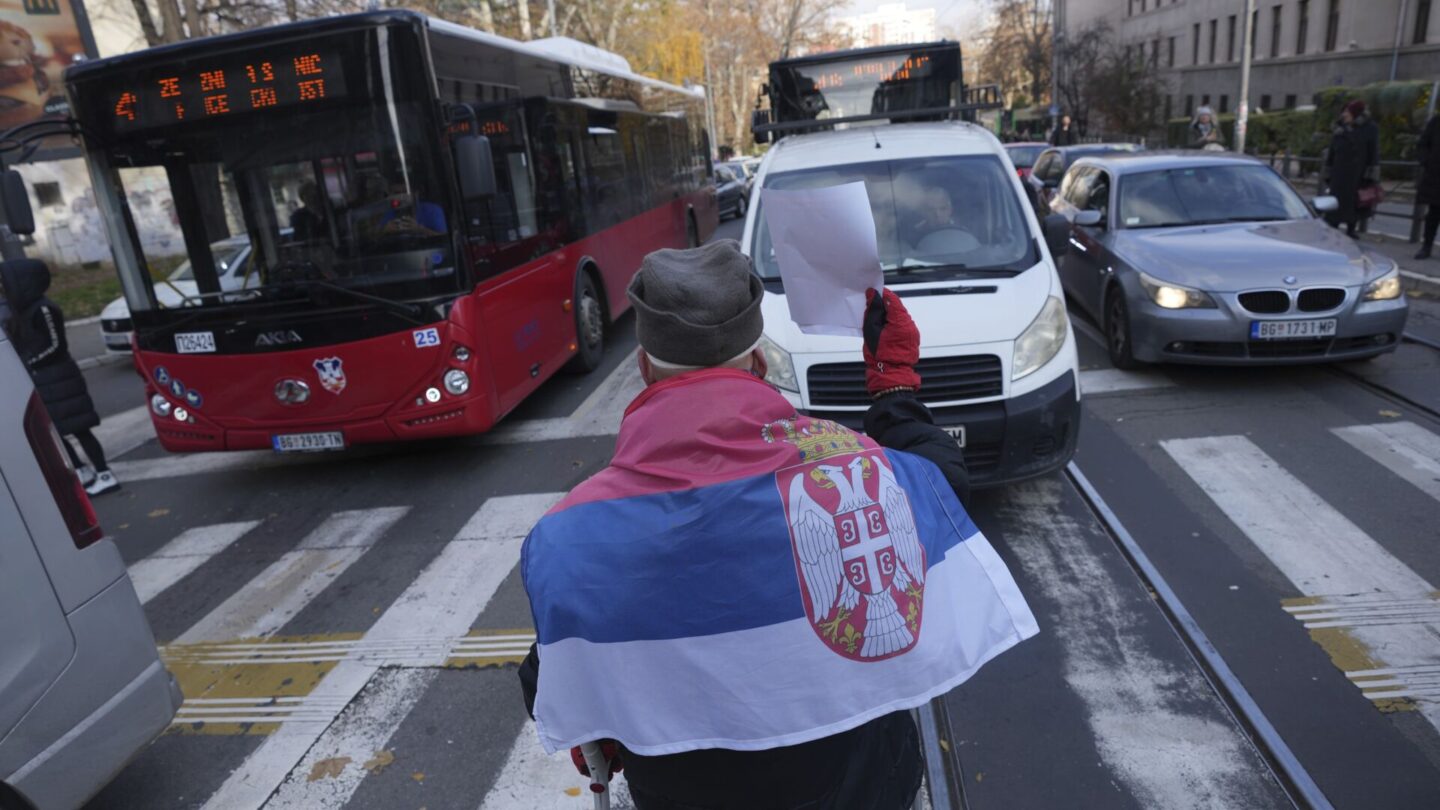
x=818 y=439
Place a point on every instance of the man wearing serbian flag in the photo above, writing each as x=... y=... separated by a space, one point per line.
x=746 y=601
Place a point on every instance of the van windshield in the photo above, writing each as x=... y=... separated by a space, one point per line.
x=941 y=217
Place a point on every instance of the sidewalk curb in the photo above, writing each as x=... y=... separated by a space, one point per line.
x=101 y=360
x=82 y=321
x=1419 y=283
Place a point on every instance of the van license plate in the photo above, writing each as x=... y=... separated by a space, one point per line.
x=956 y=432
x=308 y=442
x=1292 y=330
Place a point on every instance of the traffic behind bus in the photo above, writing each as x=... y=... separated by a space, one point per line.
x=439 y=220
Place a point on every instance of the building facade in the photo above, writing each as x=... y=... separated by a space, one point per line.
x=891 y=24
x=1300 y=46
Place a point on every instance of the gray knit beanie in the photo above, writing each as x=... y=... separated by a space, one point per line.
x=697 y=307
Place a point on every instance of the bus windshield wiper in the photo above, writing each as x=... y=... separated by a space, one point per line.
x=410 y=312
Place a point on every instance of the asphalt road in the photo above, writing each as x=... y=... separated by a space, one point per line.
x=346 y=627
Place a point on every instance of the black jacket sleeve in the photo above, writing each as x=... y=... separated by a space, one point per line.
x=45 y=339
x=901 y=421
x=530 y=678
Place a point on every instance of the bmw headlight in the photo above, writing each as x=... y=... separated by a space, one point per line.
x=1384 y=288
x=1041 y=340
x=1173 y=296
x=780 y=370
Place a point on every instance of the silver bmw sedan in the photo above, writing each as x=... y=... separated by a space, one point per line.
x=1202 y=257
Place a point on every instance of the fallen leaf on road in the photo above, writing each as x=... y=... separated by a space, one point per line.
x=945 y=745
x=124 y=525
x=418 y=776
x=980 y=776
x=572 y=791
x=161 y=512
x=1389 y=414
x=378 y=762
x=328 y=768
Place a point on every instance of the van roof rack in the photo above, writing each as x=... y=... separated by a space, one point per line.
x=974 y=99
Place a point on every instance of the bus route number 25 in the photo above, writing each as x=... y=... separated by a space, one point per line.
x=426 y=337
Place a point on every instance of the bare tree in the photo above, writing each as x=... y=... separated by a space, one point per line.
x=1079 y=59
x=1127 y=92
x=1016 y=47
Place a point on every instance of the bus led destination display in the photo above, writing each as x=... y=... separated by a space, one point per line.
x=238 y=83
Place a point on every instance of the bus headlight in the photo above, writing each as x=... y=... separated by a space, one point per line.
x=1041 y=340
x=461 y=353
x=182 y=415
x=780 y=369
x=1384 y=288
x=159 y=405
x=457 y=382
x=1173 y=296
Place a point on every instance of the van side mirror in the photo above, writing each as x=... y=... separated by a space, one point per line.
x=475 y=165
x=1325 y=203
x=1090 y=218
x=1057 y=234
x=18 y=214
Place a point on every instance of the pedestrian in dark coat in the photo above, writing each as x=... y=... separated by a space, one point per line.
x=1353 y=159
x=1064 y=134
x=37 y=328
x=1427 y=190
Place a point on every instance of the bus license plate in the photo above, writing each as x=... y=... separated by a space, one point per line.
x=308 y=442
x=194 y=342
x=1292 y=330
x=956 y=432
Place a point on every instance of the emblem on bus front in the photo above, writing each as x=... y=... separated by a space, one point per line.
x=332 y=374
x=292 y=392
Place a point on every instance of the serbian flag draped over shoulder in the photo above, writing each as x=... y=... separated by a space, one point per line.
x=743 y=578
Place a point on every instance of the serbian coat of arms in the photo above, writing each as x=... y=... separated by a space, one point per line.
x=857 y=551
x=332 y=374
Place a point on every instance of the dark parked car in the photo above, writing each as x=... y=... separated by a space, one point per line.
x=1192 y=257
x=732 y=191
x=1024 y=155
x=1050 y=167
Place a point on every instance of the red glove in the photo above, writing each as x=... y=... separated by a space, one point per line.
x=892 y=344
x=609 y=748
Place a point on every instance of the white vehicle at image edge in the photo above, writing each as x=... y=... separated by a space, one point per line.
x=961 y=246
x=232 y=262
x=82 y=688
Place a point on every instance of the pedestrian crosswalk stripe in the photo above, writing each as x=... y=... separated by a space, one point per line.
x=478 y=647
x=278 y=593
x=444 y=600
x=532 y=780
x=188 y=551
x=598 y=415
x=1404 y=448
x=1333 y=562
x=119 y=433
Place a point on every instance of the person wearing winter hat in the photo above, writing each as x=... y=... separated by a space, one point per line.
x=1352 y=161
x=37 y=327
x=707 y=413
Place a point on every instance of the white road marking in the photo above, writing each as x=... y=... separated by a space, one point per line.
x=1110 y=380
x=1315 y=547
x=185 y=465
x=417 y=651
x=177 y=558
x=598 y=415
x=1166 y=755
x=1404 y=448
x=444 y=600
x=275 y=595
x=534 y=781
x=119 y=433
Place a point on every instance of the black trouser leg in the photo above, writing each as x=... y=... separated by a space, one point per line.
x=93 y=451
x=1432 y=224
x=70 y=449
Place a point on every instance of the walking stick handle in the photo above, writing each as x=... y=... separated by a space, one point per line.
x=599 y=773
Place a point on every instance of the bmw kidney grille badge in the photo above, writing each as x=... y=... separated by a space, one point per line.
x=1290 y=279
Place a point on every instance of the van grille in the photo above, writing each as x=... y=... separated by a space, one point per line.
x=944 y=379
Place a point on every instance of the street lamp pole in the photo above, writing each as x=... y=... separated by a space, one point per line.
x=1247 y=51
x=1057 y=42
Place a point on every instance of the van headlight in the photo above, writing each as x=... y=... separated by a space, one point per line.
x=1384 y=288
x=780 y=370
x=1041 y=340
x=1173 y=296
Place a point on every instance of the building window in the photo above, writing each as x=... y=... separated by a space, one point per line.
x=1304 y=27
x=1195 y=45
x=1224 y=104
x=1422 y=21
x=1170 y=52
x=48 y=194
x=1230 y=41
x=1214 y=26
x=1205 y=100
x=1155 y=52
x=1168 y=109
x=1290 y=101
x=1142 y=6
x=1332 y=25
x=1130 y=10
x=1264 y=103
x=1189 y=105
x=1254 y=29
x=1275 y=31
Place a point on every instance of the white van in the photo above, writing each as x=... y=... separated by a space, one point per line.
x=961 y=246
x=82 y=688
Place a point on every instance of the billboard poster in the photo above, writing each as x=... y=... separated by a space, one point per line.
x=38 y=40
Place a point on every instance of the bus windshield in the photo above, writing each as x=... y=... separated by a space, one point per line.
x=345 y=192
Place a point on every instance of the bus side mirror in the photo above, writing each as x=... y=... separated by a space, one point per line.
x=476 y=166
x=18 y=214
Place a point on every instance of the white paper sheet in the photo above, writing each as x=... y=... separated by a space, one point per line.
x=824 y=241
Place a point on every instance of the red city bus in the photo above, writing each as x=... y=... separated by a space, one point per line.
x=437 y=220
